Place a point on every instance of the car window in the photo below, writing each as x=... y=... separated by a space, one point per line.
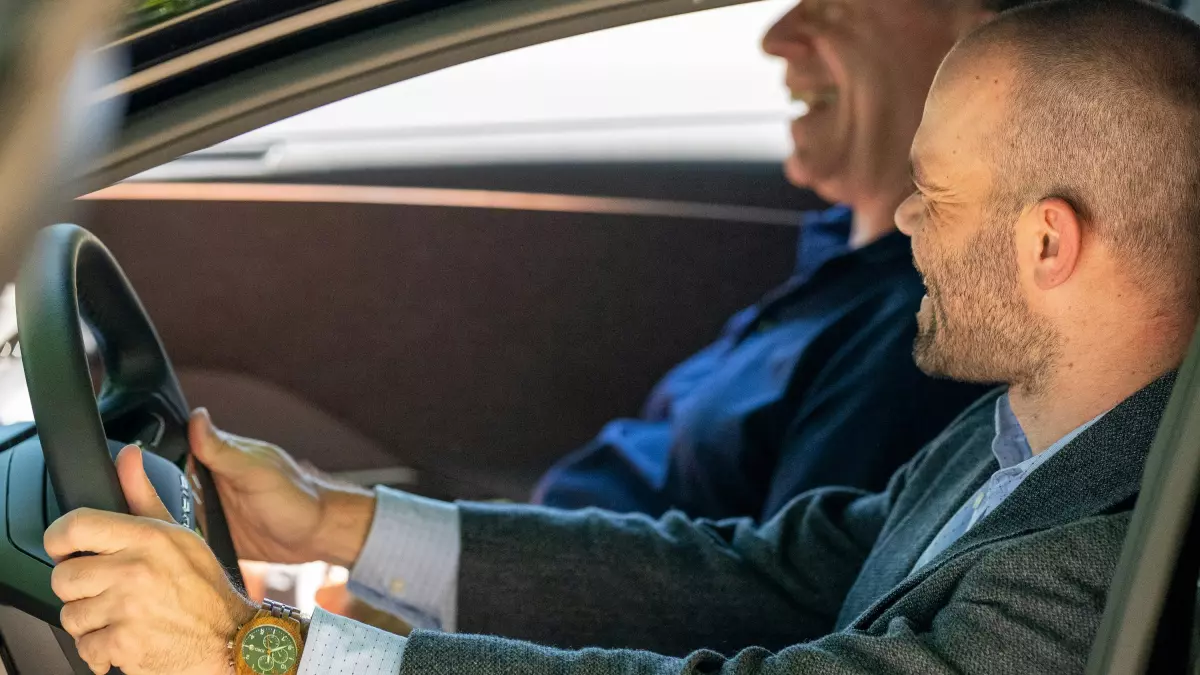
x=145 y=14
x=694 y=87
x=690 y=87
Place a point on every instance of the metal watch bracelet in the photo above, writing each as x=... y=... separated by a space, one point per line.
x=282 y=611
x=279 y=611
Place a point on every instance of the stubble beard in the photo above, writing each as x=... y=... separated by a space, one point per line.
x=979 y=327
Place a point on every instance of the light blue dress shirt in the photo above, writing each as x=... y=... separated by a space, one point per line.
x=409 y=564
x=1017 y=461
x=408 y=567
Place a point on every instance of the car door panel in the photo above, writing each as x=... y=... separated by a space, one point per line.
x=477 y=345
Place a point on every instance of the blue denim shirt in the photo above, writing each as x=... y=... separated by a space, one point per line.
x=776 y=406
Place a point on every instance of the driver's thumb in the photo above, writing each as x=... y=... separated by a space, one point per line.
x=207 y=445
x=139 y=491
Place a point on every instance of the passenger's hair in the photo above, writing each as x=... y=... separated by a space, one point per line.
x=1104 y=112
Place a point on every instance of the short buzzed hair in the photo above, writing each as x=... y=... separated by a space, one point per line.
x=1104 y=112
x=1005 y=5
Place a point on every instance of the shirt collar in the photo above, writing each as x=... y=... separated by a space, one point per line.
x=825 y=235
x=1011 y=447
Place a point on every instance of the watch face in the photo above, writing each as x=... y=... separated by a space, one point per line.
x=269 y=650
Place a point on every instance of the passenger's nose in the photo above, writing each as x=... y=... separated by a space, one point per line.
x=790 y=38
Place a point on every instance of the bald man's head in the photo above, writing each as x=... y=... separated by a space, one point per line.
x=1057 y=211
x=1103 y=111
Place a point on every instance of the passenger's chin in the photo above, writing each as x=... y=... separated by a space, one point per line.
x=816 y=168
x=796 y=173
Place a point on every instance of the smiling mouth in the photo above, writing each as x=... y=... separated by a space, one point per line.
x=807 y=101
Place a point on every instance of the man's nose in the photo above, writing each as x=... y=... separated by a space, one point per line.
x=790 y=38
x=908 y=214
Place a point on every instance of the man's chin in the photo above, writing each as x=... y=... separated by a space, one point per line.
x=796 y=173
x=818 y=174
x=929 y=353
x=927 y=357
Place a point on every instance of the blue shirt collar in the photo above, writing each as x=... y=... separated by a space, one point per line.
x=823 y=235
x=1011 y=447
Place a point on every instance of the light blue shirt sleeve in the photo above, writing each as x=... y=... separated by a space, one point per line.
x=336 y=644
x=409 y=564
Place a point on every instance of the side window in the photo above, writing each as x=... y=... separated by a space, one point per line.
x=14 y=402
x=690 y=87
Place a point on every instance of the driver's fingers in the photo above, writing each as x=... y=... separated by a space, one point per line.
x=85 y=577
x=90 y=530
x=139 y=491
x=80 y=617
x=95 y=649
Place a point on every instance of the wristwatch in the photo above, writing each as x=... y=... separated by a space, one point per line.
x=271 y=642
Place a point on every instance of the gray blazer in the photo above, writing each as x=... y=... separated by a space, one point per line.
x=822 y=588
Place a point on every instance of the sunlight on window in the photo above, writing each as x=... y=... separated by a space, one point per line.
x=690 y=87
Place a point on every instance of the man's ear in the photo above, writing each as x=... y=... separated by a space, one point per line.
x=1056 y=240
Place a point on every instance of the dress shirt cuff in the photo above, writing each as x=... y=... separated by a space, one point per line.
x=336 y=644
x=409 y=564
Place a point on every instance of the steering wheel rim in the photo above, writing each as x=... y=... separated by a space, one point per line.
x=71 y=276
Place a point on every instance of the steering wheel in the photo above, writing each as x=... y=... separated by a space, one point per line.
x=71 y=277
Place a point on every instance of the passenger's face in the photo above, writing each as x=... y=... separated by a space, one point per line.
x=975 y=322
x=863 y=67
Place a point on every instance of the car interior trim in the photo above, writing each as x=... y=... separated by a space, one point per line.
x=1150 y=611
x=388 y=475
x=443 y=197
x=174 y=21
x=237 y=43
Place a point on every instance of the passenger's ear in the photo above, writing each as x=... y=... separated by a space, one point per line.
x=1057 y=238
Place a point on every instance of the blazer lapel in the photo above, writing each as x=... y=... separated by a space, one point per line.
x=961 y=470
x=1093 y=474
x=1096 y=473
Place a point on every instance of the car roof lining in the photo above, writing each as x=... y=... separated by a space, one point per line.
x=330 y=72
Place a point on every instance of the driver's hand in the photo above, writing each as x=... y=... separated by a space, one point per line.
x=277 y=511
x=153 y=599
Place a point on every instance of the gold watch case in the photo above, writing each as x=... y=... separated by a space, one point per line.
x=268 y=645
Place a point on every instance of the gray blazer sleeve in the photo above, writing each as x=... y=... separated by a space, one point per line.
x=672 y=585
x=1024 y=607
